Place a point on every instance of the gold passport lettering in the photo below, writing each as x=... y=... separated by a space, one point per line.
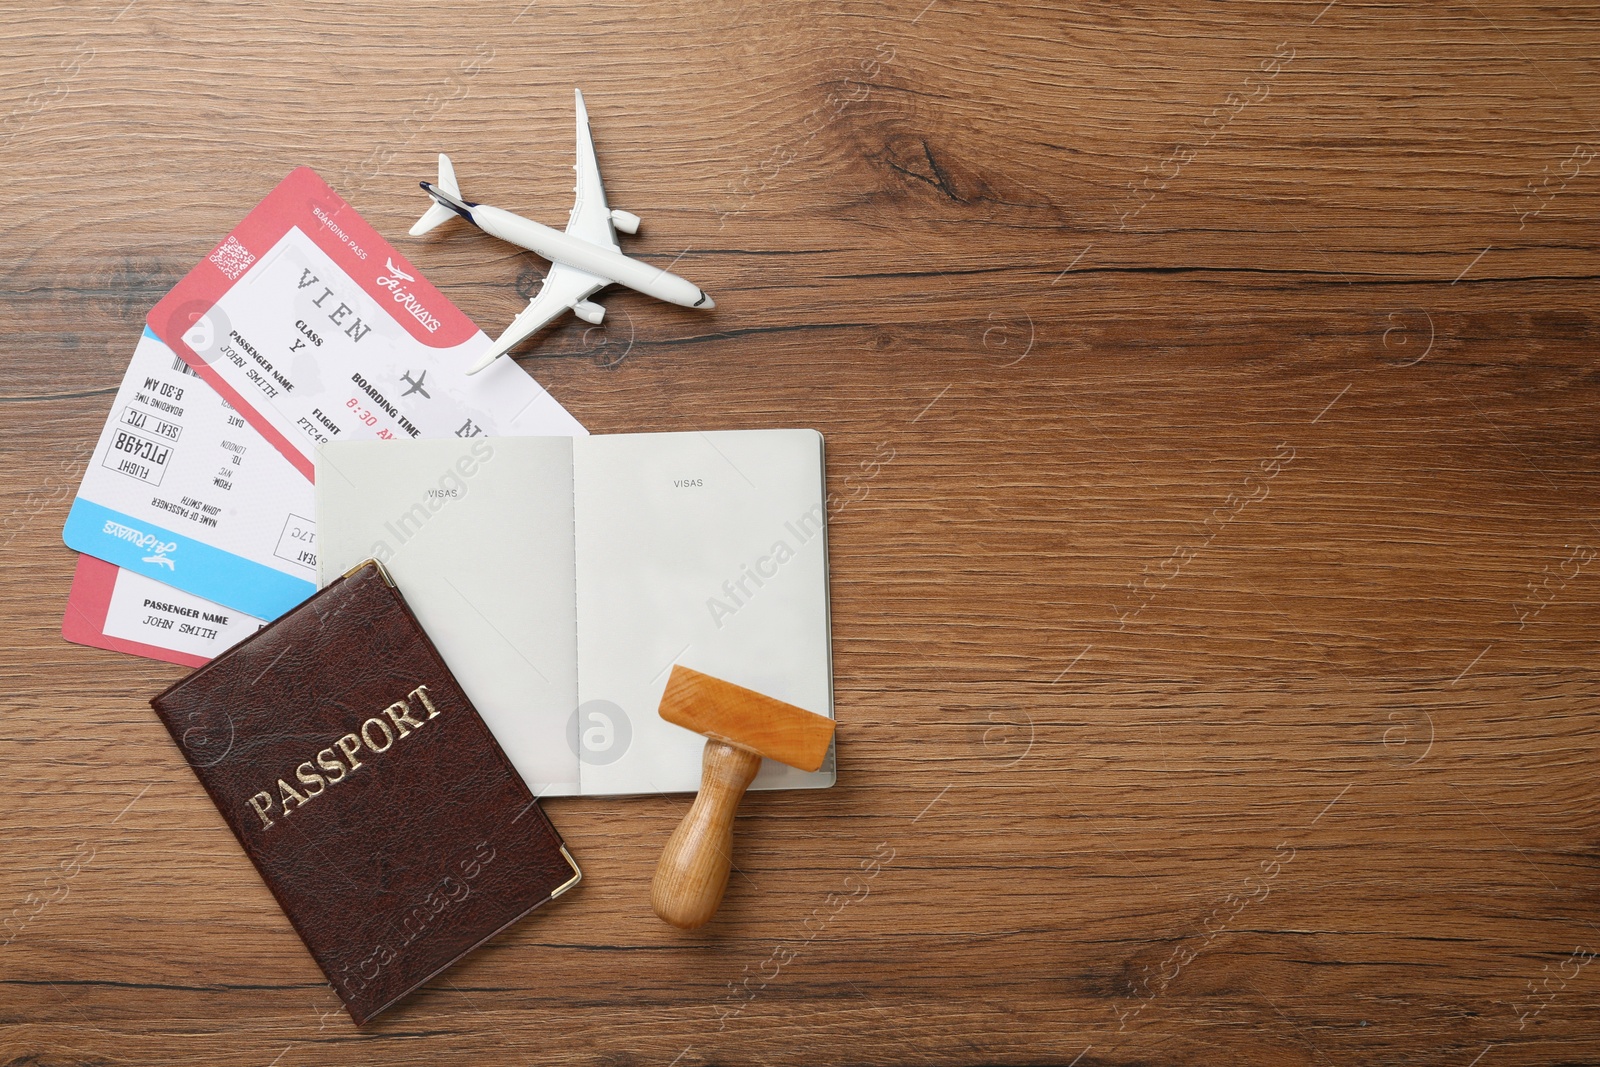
x=378 y=734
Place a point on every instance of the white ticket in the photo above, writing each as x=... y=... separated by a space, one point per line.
x=182 y=490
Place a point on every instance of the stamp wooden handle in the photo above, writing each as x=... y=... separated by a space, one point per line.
x=693 y=871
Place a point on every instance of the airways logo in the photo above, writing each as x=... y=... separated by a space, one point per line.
x=395 y=281
x=157 y=548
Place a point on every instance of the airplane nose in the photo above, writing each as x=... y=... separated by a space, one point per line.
x=705 y=301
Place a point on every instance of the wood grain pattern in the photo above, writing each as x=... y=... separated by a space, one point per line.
x=1210 y=402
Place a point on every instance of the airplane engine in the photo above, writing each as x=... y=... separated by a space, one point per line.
x=626 y=221
x=589 y=311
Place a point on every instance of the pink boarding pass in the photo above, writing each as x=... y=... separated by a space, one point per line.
x=124 y=611
x=316 y=329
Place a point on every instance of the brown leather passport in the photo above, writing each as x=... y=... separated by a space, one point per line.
x=367 y=791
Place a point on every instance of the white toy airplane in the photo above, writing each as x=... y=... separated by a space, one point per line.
x=583 y=259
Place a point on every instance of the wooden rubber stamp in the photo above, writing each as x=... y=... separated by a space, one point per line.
x=741 y=726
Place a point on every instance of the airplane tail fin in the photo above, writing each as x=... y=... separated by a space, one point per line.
x=439 y=211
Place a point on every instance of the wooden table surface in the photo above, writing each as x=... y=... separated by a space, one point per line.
x=1210 y=398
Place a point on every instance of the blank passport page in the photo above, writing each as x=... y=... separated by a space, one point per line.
x=561 y=578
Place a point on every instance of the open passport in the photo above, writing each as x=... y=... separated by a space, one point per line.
x=562 y=577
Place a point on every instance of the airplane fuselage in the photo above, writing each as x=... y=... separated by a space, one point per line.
x=560 y=247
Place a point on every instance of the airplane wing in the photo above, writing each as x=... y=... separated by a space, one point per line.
x=563 y=287
x=591 y=216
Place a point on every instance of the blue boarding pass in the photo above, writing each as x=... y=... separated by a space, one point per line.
x=182 y=489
